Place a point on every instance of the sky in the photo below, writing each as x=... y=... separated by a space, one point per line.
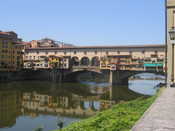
x=86 y=22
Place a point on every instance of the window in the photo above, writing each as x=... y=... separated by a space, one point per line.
x=107 y=52
x=118 y=52
x=85 y=52
x=173 y=19
x=55 y=52
x=64 y=52
x=4 y=43
x=75 y=52
x=37 y=52
x=95 y=52
x=18 y=52
x=46 y=52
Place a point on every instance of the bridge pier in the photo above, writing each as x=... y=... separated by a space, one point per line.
x=115 y=78
x=53 y=75
x=56 y=75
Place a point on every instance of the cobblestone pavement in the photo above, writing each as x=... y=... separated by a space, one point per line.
x=161 y=115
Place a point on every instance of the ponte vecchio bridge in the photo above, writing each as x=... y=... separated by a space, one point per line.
x=118 y=62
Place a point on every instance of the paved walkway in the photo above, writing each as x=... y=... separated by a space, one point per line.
x=161 y=115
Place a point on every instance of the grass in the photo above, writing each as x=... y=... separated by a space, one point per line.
x=120 y=117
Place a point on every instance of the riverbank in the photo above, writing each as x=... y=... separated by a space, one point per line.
x=161 y=114
x=120 y=117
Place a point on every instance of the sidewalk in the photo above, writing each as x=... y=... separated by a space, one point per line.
x=161 y=115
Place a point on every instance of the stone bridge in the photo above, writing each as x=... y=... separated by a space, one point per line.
x=115 y=77
x=129 y=60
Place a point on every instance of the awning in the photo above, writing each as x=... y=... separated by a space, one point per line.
x=153 y=65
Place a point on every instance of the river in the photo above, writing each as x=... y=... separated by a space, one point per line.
x=25 y=106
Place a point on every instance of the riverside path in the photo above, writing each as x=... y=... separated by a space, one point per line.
x=161 y=115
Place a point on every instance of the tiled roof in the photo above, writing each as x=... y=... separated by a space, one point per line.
x=10 y=35
x=4 y=33
x=101 y=47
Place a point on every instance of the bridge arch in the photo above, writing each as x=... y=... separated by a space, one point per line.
x=154 y=75
x=75 y=61
x=134 y=73
x=74 y=75
x=85 y=61
x=95 y=61
x=122 y=77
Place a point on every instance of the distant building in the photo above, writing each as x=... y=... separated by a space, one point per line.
x=47 y=42
x=11 y=52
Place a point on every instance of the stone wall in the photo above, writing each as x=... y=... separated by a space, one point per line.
x=27 y=75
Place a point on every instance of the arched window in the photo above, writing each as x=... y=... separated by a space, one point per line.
x=75 y=61
x=85 y=61
x=95 y=61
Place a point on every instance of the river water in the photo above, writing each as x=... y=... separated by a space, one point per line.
x=25 y=106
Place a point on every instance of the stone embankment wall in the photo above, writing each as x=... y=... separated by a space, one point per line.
x=52 y=75
x=48 y=75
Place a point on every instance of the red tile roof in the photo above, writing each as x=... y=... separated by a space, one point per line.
x=22 y=42
x=4 y=33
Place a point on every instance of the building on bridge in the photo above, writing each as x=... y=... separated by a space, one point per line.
x=123 y=57
x=44 y=62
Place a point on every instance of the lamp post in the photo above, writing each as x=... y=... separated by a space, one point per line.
x=166 y=45
x=172 y=42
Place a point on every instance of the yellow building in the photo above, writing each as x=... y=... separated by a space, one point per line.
x=11 y=52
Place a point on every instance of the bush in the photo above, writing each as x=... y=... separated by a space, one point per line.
x=120 y=117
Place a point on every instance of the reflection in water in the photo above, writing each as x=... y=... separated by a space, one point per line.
x=122 y=94
x=26 y=102
x=145 y=86
x=9 y=107
x=26 y=105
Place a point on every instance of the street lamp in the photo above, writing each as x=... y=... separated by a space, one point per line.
x=172 y=35
x=172 y=42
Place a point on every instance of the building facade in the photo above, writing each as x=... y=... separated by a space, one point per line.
x=11 y=52
x=170 y=19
